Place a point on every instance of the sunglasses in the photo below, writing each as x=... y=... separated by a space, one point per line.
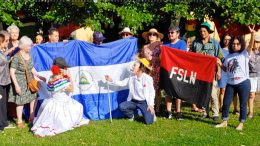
x=125 y=34
x=152 y=34
x=171 y=32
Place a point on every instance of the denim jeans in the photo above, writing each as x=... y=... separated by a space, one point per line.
x=3 y=110
x=128 y=108
x=243 y=90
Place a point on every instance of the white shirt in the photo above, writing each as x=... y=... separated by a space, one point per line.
x=138 y=84
x=139 y=89
x=237 y=67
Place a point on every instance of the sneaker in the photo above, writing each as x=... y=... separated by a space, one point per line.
x=204 y=116
x=179 y=116
x=131 y=119
x=240 y=126
x=250 y=115
x=215 y=118
x=154 y=118
x=221 y=125
x=235 y=113
x=169 y=115
x=9 y=126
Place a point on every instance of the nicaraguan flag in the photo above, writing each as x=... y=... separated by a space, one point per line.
x=88 y=66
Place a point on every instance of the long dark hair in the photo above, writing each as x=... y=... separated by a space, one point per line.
x=144 y=69
x=223 y=38
x=241 y=41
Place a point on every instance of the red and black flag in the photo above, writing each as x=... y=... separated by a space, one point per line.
x=187 y=75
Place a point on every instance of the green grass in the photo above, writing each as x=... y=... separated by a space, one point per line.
x=190 y=131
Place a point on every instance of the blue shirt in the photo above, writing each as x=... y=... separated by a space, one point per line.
x=211 y=48
x=225 y=52
x=180 y=45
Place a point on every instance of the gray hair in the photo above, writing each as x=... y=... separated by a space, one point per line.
x=25 y=41
x=9 y=28
x=5 y=33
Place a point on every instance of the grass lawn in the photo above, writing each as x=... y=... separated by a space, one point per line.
x=190 y=131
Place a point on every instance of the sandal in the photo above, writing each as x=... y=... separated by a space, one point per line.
x=30 y=121
x=197 y=110
x=250 y=116
x=20 y=125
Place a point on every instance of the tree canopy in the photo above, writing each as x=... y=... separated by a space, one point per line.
x=132 y=13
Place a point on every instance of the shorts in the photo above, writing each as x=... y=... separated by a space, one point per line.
x=255 y=84
x=223 y=81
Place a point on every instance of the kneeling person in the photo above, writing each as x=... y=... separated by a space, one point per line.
x=141 y=91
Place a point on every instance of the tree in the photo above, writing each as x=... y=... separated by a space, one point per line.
x=131 y=13
x=8 y=10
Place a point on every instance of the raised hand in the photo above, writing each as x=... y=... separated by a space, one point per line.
x=108 y=78
x=252 y=29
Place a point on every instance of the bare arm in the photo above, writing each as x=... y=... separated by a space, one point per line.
x=13 y=77
x=37 y=76
x=117 y=83
x=9 y=51
x=251 y=42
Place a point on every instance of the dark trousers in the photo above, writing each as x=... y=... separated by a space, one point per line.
x=129 y=107
x=3 y=108
x=243 y=90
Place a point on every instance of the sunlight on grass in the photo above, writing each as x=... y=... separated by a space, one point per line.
x=190 y=131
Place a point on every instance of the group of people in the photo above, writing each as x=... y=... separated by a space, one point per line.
x=238 y=72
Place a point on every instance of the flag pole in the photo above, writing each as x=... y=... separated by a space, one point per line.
x=109 y=102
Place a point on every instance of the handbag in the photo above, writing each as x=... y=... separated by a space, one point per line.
x=32 y=84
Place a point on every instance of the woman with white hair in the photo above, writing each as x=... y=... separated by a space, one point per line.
x=20 y=94
x=14 y=31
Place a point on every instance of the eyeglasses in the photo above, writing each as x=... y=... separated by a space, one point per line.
x=152 y=34
x=171 y=32
x=236 y=44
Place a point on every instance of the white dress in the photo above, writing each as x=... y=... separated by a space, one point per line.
x=58 y=114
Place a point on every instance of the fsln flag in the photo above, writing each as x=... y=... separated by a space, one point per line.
x=187 y=75
x=89 y=64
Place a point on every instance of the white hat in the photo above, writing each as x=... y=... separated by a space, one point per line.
x=257 y=37
x=126 y=30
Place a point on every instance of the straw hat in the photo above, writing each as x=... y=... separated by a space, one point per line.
x=145 y=62
x=145 y=35
x=257 y=37
x=126 y=30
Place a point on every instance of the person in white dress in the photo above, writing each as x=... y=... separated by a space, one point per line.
x=59 y=112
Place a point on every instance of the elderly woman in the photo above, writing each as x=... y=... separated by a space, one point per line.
x=14 y=31
x=151 y=52
x=20 y=94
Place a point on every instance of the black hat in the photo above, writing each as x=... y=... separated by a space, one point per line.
x=60 y=62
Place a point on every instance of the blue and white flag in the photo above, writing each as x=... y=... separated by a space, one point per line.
x=89 y=64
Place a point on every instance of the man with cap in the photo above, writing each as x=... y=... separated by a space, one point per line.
x=209 y=46
x=98 y=38
x=126 y=33
x=176 y=43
